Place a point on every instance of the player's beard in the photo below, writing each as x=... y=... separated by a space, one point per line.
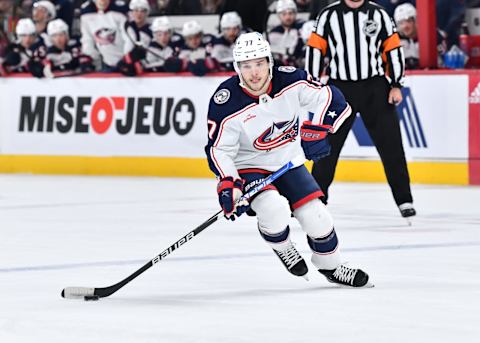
x=256 y=89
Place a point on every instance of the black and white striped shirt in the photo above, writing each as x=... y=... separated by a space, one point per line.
x=359 y=43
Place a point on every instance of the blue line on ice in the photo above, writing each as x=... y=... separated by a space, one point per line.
x=230 y=256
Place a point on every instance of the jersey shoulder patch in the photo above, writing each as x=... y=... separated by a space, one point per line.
x=287 y=69
x=221 y=96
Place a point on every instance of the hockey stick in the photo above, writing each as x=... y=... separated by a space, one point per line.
x=87 y=293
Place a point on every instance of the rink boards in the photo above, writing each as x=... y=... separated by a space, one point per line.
x=157 y=126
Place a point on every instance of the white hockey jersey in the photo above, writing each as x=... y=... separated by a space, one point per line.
x=135 y=35
x=103 y=31
x=247 y=132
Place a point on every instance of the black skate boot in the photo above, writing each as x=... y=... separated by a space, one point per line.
x=293 y=261
x=347 y=276
x=407 y=210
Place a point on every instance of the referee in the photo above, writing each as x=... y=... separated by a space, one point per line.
x=366 y=63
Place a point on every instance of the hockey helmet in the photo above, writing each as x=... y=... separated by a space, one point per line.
x=249 y=46
x=191 y=28
x=285 y=5
x=161 y=24
x=57 y=26
x=139 y=5
x=48 y=6
x=25 y=27
x=230 y=20
x=404 y=12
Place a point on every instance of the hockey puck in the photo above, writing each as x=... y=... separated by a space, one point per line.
x=91 y=297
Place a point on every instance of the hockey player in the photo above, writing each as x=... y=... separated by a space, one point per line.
x=222 y=51
x=43 y=12
x=102 y=26
x=137 y=31
x=137 y=38
x=285 y=39
x=63 y=55
x=20 y=53
x=256 y=124
x=405 y=16
x=194 y=54
x=161 y=49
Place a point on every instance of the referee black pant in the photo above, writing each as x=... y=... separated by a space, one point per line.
x=370 y=98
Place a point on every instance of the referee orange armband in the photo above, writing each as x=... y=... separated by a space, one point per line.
x=318 y=42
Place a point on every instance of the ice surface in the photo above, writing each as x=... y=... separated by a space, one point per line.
x=226 y=285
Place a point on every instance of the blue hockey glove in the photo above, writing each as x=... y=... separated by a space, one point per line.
x=314 y=141
x=230 y=190
x=197 y=68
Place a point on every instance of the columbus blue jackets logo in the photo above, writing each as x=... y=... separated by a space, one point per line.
x=221 y=96
x=105 y=36
x=277 y=135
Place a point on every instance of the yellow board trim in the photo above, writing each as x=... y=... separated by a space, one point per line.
x=348 y=170
x=448 y=173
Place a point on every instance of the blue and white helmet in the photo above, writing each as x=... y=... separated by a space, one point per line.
x=250 y=46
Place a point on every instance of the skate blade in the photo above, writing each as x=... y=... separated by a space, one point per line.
x=409 y=221
x=306 y=277
x=367 y=285
x=339 y=285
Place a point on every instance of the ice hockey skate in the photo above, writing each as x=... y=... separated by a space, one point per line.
x=346 y=276
x=407 y=211
x=293 y=261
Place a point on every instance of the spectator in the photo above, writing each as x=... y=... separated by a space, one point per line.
x=102 y=26
x=162 y=47
x=222 y=51
x=65 y=11
x=184 y=7
x=316 y=6
x=43 y=12
x=303 y=5
x=26 y=8
x=193 y=54
x=285 y=39
x=19 y=54
x=405 y=17
x=450 y=16
x=253 y=13
x=211 y=6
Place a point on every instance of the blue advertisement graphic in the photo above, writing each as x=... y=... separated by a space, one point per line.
x=409 y=121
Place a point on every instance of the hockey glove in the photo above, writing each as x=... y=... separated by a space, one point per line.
x=229 y=191
x=36 y=68
x=86 y=64
x=173 y=65
x=12 y=58
x=3 y=70
x=314 y=141
x=137 y=54
x=197 y=68
x=127 y=69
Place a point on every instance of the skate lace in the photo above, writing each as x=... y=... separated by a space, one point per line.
x=345 y=274
x=290 y=256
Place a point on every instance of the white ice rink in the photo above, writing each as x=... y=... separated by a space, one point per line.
x=226 y=285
